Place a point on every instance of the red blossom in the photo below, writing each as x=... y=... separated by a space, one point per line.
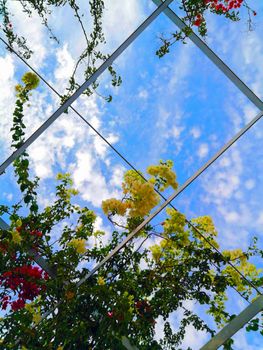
x=25 y=281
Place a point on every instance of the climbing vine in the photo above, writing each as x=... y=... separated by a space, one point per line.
x=195 y=13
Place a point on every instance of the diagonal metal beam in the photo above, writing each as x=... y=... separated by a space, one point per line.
x=85 y=85
x=235 y=325
x=214 y=58
x=37 y=258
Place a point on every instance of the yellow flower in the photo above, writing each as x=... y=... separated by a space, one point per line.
x=101 y=281
x=114 y=206
x=16 y=237
x=18 y=88
x=31 y=80
x=163 y=174
x=205 y=223
x=156 y=252
x=19 y=223
x=79 y=244
x=29 y=307
x=36 y=318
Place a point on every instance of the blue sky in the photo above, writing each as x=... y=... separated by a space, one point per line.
x=180 y=107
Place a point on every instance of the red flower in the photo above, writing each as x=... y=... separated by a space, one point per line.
x=18 y=304
x=197 y=22
x=36 y=233
x=25 y=281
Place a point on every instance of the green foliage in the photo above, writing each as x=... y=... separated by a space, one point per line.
x=21 y=164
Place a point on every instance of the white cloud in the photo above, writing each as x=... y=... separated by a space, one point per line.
x=176 y=131
x=7 y=99
x=117 y=176
x=121 y=18
x=65 y=66
x=90 y=180
x=143 y=94
x=203 y=150
x=195 y=132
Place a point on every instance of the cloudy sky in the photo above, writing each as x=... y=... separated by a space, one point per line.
x=180 y=107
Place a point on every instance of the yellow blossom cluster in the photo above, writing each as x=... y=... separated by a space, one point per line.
x=130 y=300
x=205 y=225
x=238 y=257
x=163 y=174
x=139 y=197
x=114 y=206
x=68 y=193
x=234 y=254
x=79 y=244
x=235 y=276
x=30 y=80
x=129 y=178
x=175 y=223
x=16 y=237
x=101 y=281
x=65 y=176
x=156 y=251
x=143 y=199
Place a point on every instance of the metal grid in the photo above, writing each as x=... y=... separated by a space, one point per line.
x=257 y=305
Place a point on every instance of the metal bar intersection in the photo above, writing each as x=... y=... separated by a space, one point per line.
x=214 y=58
x=84 y=86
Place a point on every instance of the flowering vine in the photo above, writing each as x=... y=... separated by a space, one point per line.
x=93 y=54
x=195 y=12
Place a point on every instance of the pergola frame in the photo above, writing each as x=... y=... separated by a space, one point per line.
x=254 y=308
